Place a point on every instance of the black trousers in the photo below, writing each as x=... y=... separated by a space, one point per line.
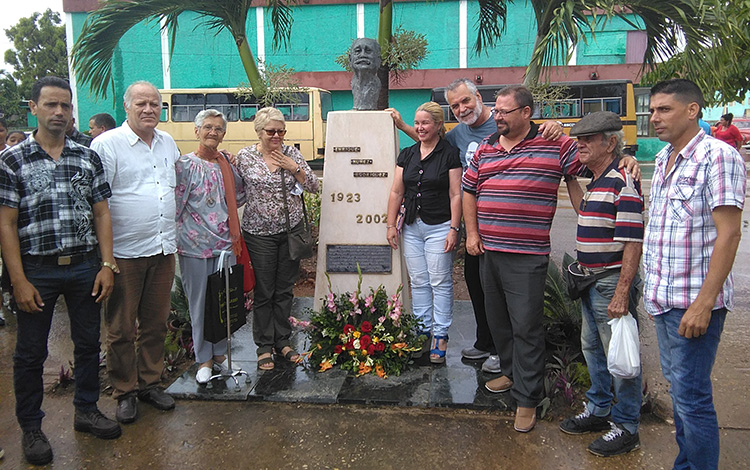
x=514 y=289
x=476 y=293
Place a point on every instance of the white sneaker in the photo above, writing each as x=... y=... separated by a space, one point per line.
x=492 y=365
x=203 y=375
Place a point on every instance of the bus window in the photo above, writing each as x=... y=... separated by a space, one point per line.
x=326 y=105
x=591 y=105
x=226 y=103
x=164 y=112
x=298 y=109
x=185 y=106
x=561 y=109
x=613 y=104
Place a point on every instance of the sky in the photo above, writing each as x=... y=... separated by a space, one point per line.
x=13 y=10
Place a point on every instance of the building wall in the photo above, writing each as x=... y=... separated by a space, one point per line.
x=323 y=31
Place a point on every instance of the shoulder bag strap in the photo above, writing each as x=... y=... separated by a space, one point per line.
x=286 y=205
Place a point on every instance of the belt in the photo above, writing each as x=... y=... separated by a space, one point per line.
x=55 y=260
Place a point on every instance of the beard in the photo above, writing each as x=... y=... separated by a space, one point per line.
x=470 y=118
x=503 y=128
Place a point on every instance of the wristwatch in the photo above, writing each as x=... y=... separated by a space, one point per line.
x=457 y=229
x=112 y=266
x=297 y=170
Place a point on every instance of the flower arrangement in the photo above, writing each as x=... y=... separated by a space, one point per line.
x=362 y=334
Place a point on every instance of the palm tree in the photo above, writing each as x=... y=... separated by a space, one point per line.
x=92 y=54
x=561 y=24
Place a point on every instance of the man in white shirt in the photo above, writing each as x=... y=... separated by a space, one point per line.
x=139 y=165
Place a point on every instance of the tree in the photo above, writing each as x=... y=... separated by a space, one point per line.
x=38 y=49
x=10 y=101
x=93 y=52
x=725 y=55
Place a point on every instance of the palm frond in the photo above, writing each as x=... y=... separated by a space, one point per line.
x=281 y=19
x=490 y=24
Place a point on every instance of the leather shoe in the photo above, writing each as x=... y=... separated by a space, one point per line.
x=525 y=419
x=157 y=398
x=499 y=385
x=127 y=409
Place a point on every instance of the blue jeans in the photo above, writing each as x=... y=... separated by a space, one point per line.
x=687 y=364
x=595 y=336
x=430 y=273
x=75 y=283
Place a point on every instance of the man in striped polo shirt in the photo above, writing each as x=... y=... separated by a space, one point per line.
x=609 y=244
x=510 y=197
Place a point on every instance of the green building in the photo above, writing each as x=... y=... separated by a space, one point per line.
x=324 y=29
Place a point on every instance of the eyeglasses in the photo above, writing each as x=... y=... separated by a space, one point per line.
x=272 y=132
x=219 y=130
x=501 y=113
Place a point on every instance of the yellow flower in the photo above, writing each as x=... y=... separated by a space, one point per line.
x=364 y=352
x=398 y=346
x=351 y=353
x=375 y=339
x=325 y=365
x=357 y=334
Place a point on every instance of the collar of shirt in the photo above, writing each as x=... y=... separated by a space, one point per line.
x=686 y=153
x=133 y=138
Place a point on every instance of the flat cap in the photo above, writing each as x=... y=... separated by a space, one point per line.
x=595 y=123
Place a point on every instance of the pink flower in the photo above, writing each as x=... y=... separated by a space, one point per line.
x=207 y=253
x=196 y=218
x=331 y=302
x=353 y=298
x=381 y=320
x=213 y=218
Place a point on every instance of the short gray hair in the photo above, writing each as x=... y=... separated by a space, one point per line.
x=457 y=83
x=209 y=113
x=619 y=145
x=128 y=96
x=266 y=115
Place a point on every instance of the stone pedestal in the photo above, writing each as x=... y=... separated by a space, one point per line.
x=361 y=151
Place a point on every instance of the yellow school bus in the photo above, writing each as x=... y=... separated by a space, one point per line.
x=582 y=98
x=305 y=115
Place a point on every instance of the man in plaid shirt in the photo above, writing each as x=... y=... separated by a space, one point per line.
x=54 y=225
x=695 y=216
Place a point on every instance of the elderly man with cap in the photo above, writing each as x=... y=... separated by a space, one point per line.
x=609 y=243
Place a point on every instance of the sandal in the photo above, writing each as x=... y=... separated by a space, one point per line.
x=265 y=361
x=290 y=355
x=437 y=355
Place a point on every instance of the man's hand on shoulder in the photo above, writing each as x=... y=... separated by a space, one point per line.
x=631 y=165
x=551 y=130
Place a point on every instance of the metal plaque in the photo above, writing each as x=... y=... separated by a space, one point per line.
x=371 y=258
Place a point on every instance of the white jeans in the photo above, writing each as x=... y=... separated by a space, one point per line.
x=430 y=273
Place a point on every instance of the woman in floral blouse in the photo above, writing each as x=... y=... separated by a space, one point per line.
x=208 y=192
x=264 y=229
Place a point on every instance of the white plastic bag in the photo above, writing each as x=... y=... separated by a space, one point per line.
x=624 y=357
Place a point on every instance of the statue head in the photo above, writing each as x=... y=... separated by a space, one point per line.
x=364 y=55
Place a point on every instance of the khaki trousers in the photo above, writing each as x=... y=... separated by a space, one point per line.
x=136 y=320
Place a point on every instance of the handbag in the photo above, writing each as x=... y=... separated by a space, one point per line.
x=578 y=282
x=400 y=218
x=300 y=237
x=624 y=353
x=224 y=292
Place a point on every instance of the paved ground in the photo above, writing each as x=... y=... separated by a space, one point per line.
x=263 y=432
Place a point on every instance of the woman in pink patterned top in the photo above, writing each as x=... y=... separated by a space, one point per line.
x=204 y=227
x=263 y=168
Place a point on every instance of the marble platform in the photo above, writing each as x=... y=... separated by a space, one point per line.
x=457 y=383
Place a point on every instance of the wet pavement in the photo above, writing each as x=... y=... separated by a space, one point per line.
x=429 y=418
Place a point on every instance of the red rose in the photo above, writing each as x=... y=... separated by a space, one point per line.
x=348 y=329
x=380 y=347
x=337 y=349
x=371 y=349
x=365 y=341
x=350 y=345
x=366 y=327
